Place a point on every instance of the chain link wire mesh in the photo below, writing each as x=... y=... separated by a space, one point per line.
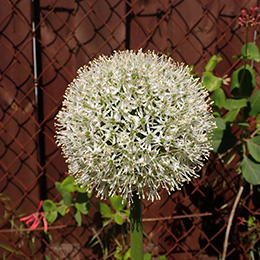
x=42 y=44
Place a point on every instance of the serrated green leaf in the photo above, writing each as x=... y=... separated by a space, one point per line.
x=68 y=184
x=253 y=145
x=77 y=217
x=117 y=203
x=232 y=104
x=250 y=170
x=255 y=104
x=213 y=61
x=243 y=81
x=104 y=210
x=210 y=81
x=250 y=51
x=219 y=97
x=50 y=211
x=82 y=203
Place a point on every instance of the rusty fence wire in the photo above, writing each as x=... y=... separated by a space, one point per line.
x=42 y=44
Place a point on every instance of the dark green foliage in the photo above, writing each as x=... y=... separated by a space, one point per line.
x=241 y=111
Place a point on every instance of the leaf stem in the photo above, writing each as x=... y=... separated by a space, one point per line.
x=136 y=230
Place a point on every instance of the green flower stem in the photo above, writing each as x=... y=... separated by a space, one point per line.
x=136 y=229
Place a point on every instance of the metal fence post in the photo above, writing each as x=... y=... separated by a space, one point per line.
x=37 y=70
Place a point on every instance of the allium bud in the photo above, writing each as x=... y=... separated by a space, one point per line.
x=134 y=122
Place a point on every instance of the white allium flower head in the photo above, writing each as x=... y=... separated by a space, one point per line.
x=134 y=122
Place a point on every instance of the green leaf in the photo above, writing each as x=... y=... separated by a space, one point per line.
x=251 y=220
x=218 y=133
x=162 y=258
x=243 y=81
x=82 y=190
x=66 y=196
x=219 y=97
x=147 y=256
x=50 y=211
x=104 y=210
x=127 y=255
x=250 y=171
x=217 y=139
x=82 y=203
x=250 y=51
x=117 y=203
x=119 y=218
x=210 y=81
x=77 y=217
x=255 y=104
x=49 y=205
x=213 y=61
x=243 y=124
x=126 y=213
x=232 y=104
x=220 y=122
x=258 y=124
x=226 y=140
x=231 y=115
x=253 y=145
x=122 y=255
x=62 y=209
x=68 y=184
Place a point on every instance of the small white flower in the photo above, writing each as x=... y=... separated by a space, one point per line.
x=134 y=122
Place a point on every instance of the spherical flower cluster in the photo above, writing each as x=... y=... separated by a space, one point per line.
x=134 y=122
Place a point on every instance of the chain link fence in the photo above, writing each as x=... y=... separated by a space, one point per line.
x=42 y=44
